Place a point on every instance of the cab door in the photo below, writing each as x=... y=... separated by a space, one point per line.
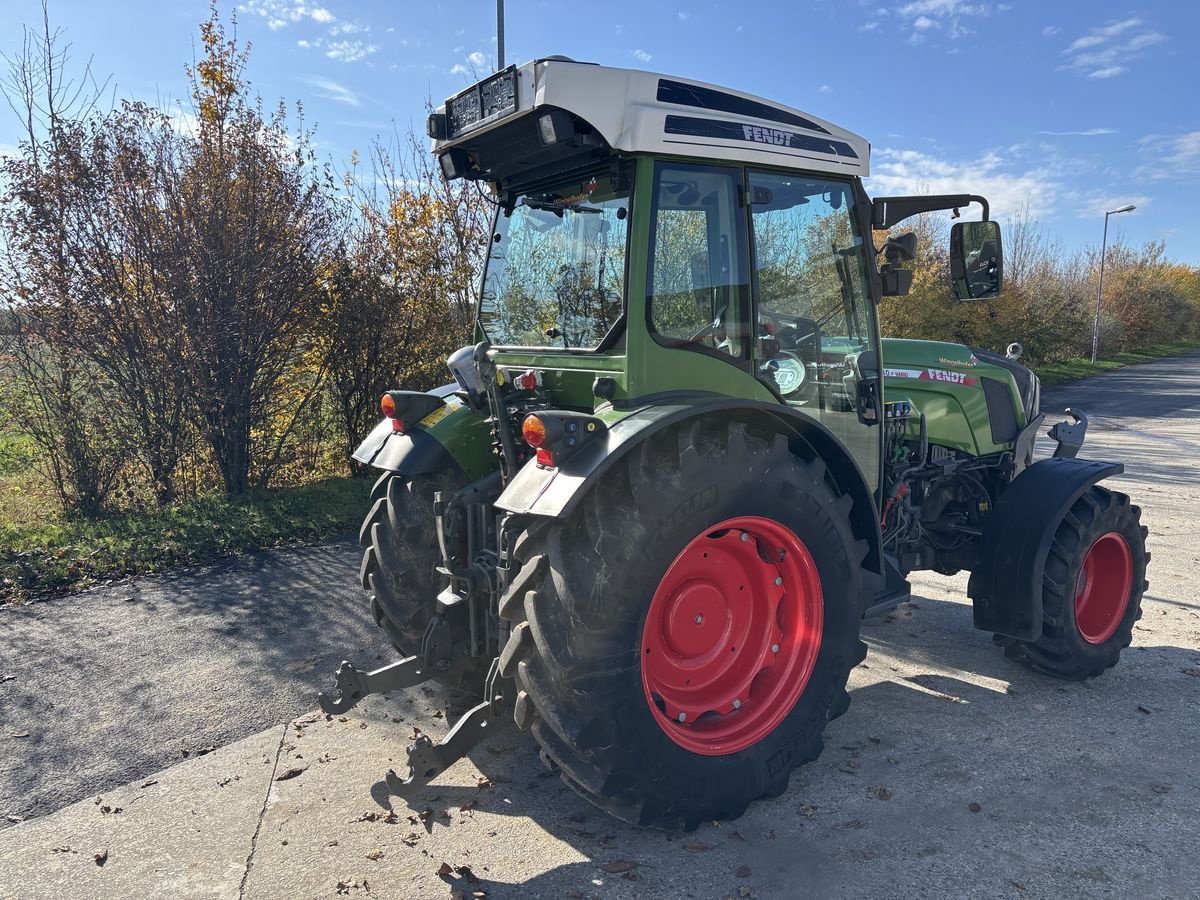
x=812 y=304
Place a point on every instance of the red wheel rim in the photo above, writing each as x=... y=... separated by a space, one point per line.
x=1102 y=591
x=732 y=635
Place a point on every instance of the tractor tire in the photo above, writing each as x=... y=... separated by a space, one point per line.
x=400 y=554
x=1093 y=583
x=614 y=607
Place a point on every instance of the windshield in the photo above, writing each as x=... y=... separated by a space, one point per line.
x=556 y=271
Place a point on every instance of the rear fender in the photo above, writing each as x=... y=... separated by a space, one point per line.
x=1006 y=585
x=554 y=493
x=451 y=434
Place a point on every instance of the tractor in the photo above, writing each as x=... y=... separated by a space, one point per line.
x=678 y=467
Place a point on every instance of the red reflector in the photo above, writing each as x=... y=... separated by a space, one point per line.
x=545 y=457
x=533 y=430
x=398 y=426
x=528 y=381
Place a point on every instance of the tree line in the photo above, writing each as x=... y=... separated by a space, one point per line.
x=198 y=303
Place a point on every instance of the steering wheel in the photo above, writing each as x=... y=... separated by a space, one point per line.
x=709 y=329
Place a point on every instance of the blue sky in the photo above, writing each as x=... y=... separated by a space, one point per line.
x=1070 y=107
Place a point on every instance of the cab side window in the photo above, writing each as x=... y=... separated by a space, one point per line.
x=699 y=277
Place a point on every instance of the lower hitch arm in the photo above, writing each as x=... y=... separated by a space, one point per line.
x=351 y=685
x=426 y=760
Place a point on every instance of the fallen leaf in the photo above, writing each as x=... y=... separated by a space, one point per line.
x=854 y=823
x=63 y=849
x=1160 y=788
x=974 y=807
x=881 y=792
x=20 y=734
x=410 y=838
x=16 y=820
x=1143 y=710
x=736 y=836
x=807 y=810
x=4 y=678
x=151 y=782
x=101 y=857
x=211 y=748
x=291 y=773
x=465 y=872
x=375 y=854
x=483 y=781
x=1194 y=671
x=444 y=870
x=618 y=866
x=698 y=847
x=742 y=872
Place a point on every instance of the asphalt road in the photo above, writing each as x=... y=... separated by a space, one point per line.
x=113 y=684
x=1082 y=790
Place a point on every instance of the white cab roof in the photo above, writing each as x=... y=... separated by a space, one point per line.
x=644 y=112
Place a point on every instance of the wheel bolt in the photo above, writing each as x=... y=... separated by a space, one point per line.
x=745 y=536
x=774 y=648
x=699 y=619
x=683 y=717
x=778 y=580
x=737 y=704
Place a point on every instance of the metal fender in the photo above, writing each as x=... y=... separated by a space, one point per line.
x=554 y=493
x=1006 y=585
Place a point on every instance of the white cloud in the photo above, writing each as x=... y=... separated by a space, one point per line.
x=281 y=13
x=1050 y=31
x=641 y=55
x=476 y=59
x=824 y=89
x=1091 y=132
x=1104 y=50
x=459 y=69
x=349 y=28
x=617 y=29
x=868 y=26
x=927 y=15
x=1007 y=187
x=333 y=90
x=1170 y=157
x=682 y=16
x=308 y=45
x=349 y=51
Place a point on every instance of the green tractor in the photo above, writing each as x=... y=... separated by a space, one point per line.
x=679 y=466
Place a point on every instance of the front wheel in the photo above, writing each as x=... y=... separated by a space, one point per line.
x=680 y=642
x=1094 y=578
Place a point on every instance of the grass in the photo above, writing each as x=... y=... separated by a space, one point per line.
x=46 y=556
x=1073 y=369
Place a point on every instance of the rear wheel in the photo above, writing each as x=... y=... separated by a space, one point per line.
x=1092 y=589
x=681 y=640
x=400 y=554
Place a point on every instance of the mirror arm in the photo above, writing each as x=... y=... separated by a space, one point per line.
x=887 y=211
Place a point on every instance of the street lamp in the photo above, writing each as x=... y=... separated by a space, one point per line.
x=1128 y=207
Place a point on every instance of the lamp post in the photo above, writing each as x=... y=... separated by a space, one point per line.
x=1128 y=207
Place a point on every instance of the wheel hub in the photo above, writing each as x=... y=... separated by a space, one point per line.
x=1102 y=591
x=732 y=635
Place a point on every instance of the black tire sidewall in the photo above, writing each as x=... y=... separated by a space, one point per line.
x=604 y=664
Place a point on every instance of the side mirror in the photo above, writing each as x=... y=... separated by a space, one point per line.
x=976 y=260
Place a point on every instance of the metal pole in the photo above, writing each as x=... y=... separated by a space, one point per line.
x=499 y=35
x=1099 y=293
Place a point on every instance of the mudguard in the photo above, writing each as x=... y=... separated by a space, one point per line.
x=1006 y=585
x=451 y=434
x=554 y=493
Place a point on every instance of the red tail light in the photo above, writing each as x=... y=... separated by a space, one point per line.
x=533 y=430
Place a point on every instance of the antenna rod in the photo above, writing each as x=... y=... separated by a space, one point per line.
x=499 y=35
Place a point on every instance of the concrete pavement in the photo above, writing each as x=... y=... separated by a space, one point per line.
x=955 y=772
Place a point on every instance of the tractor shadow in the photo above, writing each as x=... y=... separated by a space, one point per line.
x=941 y=726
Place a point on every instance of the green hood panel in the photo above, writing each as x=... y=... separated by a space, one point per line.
x=945 y=382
